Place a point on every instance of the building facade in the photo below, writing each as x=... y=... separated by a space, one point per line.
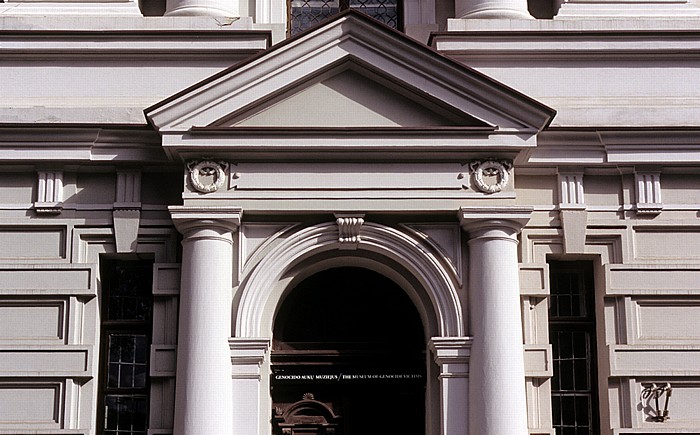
x=303 y=217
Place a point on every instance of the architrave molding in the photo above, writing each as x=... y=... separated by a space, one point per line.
x=556 y=40
x=171 y=42
x=253 y=314
x=600 y=146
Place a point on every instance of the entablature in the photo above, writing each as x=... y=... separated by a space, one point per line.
x=619 y=72
x=600 y=147
x=92 y=74
x=80 y=143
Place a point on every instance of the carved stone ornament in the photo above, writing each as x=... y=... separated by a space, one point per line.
x=491 y=168
x=213 y=172
x=349 y=226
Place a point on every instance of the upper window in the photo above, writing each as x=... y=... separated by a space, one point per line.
x=126 y=338
x=304 y=14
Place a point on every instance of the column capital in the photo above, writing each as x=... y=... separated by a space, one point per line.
x=246 y=350
x=481 y=218
x=247 y=356
x=451 y=350
x=187 y=218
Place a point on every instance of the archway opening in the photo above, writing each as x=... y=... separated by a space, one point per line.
x=349 y=343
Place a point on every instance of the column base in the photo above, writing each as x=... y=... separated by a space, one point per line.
x=507 y=9
x=627 y=9
x=76 y=8
x=201 y=10
x=490 y=14
x=452 y=354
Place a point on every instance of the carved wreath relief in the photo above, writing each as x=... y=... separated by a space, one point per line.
x=207 y=176
x=490 y=176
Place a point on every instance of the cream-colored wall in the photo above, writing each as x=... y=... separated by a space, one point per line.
x=647 y=265
x=647 y=270
x=647 y=274
x=50 y=298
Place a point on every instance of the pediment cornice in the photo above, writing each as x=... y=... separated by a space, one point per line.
x=462 y=102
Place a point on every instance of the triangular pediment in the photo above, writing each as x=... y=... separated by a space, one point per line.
x=350 y=73
x=349 y=96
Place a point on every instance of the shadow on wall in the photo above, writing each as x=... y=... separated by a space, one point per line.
x=152 y=8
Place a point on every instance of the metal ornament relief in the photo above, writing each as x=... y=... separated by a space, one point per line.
x=209 y=169
x=491 y=168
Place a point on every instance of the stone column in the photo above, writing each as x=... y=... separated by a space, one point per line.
x=209 y=8
x=490 y=9
x=203 y=393
x=497 y=368
x=452 y=356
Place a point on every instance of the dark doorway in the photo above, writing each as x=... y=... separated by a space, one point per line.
x=348 y=357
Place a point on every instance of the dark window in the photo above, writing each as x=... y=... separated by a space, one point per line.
x=126 y=338
x=572 y=334
x=304 y=14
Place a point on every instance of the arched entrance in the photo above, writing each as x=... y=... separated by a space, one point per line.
x=273 y=272
x=348 y=357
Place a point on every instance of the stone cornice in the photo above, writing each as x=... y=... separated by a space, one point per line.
x=614 y=146
x=78 y=143
x=557 y=42
x=133 y=43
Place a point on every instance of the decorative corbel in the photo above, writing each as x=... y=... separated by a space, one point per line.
x=49 y=192
x=127 y=210
x=572 y=211
x=648 y=192
x=349 y=226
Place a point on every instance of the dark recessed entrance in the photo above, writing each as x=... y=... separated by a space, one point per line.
x=348 y=358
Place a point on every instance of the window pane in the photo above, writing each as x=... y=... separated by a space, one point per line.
x=386 y=11
x=581 y=375
x=580 y=342
x=129 y=292
x=556 y=411
x=568 y=411
x=566 y=345
x=126 y=415
x=583 y=409
x=308 y=13
x=127 y=361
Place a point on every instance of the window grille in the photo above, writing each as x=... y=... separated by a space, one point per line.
x=304 y=14
x=572 y=334
x=126 y=338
